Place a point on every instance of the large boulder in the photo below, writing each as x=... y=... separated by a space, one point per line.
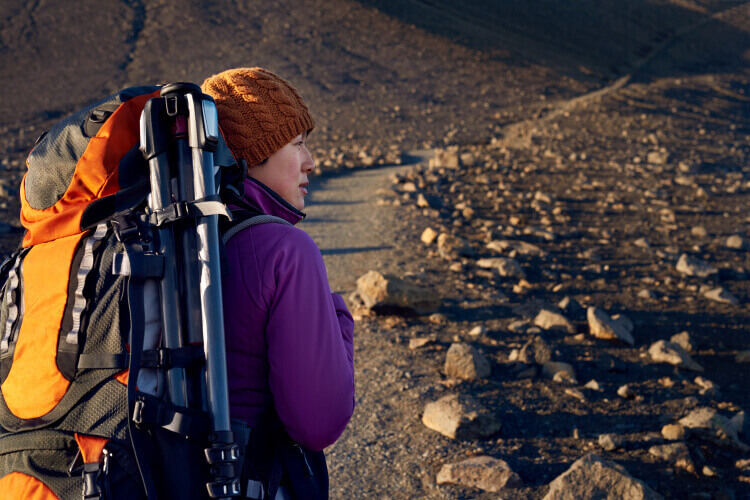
x=708 y=424
x=383 y=291
x=483 y=472
x=459 y=416
x=595 y=477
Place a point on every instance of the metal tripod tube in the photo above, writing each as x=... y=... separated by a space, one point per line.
x=209 y=257
x=152 y=126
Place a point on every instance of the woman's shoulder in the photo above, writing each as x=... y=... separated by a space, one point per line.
x=276 y=238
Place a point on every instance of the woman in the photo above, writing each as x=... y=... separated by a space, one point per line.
x=289 y=338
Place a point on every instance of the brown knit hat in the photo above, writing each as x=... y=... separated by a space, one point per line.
x=259 y=112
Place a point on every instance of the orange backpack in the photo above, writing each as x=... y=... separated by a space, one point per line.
x=72 y=319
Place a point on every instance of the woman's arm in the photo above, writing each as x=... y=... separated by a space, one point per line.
x=310 y=351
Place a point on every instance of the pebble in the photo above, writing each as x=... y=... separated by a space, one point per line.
x=624 y=391
x=477 y=331
x=610 y=442
x=721 y=294
x=429 y=235
x=559 y=372
x=676 y=453
x=452 y=247
x=536 y=350
x=736 y=242
x=593 y=385
x=674 y=432
x=694 y=267
x=699 y=231
x=663 y=351
x=505 y=266
x=684 y=340
x=417 y=342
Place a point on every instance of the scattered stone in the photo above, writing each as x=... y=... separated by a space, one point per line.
x=437 y=319
x=452 y=247
x=674 y=432
x=683 y=340
x=699 y=231
x=721 y=294
x=602 y=326
x=478 y=331
x=464 y=361
x=536 y=350
x=459 y=416
x=569 y=305
x=694 y=267
x=676 y=453
x=611 y=441
x=559 y=372
x=386 y=292
x=668 y=352
x=428 y=236
x=550 y=320
x=595 y=477
x=483 y=472
x=593 y=385
x=418 y=342
x=709 y=471
x=572 y=391
x=708 y=388
x=642 y=243
x=736 y=242
x=445 y=158
x=647 y=294
x=505 y=266
x=657 y=157
x=456 y=267
x=429 y=201
x=518 y=326
x=743 y=464
x=708 y=424
x=520 y=247
x=624 y=391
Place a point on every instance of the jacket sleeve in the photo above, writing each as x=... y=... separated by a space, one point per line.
x=310 y=350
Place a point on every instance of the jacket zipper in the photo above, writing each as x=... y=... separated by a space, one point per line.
x=304 y=457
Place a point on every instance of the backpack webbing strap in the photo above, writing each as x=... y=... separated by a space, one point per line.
x=103 y=361
x=152 y=411
x=252 y=221
x=210 y=205
x=179 y=357
x=138 y=439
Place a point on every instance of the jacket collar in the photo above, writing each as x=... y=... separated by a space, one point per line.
x=269 y=202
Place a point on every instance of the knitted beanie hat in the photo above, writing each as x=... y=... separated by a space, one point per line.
x=259 y=112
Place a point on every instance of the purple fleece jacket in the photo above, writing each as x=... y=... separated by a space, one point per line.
x=288 y=337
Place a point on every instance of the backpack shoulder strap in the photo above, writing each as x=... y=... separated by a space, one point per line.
x=244 y=221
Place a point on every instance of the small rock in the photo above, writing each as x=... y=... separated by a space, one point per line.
x=519 y=326
x=550 y=320
x=418 y=342
x=483 y=472
x=610 y=441
x=452 y=247
x=669 y=352
x=740 y=422
x=428 y=236
x=478 y=331
x=674 y=432
x=505 y=266
x=595 y=477
x=593 y=385
x=445 y=158
x=676 y=453
x=683 y=340
x=736 y=242
x=379 y=291
x=559 y=371
x=520 y=247
x=647 y=294
x=572 y=391
x=694 y=267
x=602 y=326
x=459 y=416
x=699 y=231
x=642 y=243
x=437 y=319
x=710 y=425
x=536 y=350
x=464 y=361
x=708 y=388
x=709 y=471
x=657 y=157
x=456 y=267
x=569 y=305
x=624 y=391
x=721 y=294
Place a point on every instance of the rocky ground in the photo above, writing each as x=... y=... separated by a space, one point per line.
x=583 y=285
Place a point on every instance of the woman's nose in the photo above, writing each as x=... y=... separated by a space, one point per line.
x=308 y=164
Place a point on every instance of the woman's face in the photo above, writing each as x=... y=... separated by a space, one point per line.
x=286 y=171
